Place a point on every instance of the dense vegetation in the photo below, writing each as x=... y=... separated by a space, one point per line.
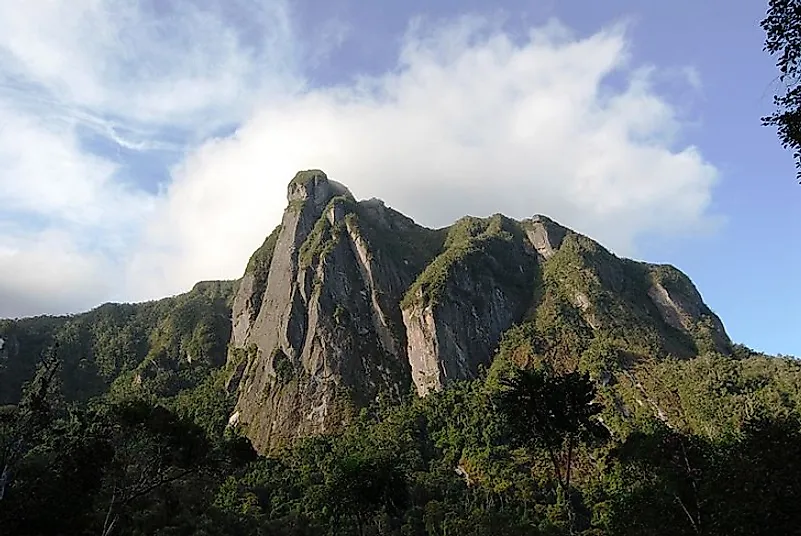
x=160 y=347
x=492 y=244
x=519 y=451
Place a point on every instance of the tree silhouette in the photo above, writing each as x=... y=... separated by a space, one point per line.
x=553 y=412
x=782 y=25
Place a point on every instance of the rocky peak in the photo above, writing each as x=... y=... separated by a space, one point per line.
x=544 y=234
x=320 y=329
x=315 y=187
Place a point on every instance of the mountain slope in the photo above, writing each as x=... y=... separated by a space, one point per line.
x=348 y=302
x=160 y=347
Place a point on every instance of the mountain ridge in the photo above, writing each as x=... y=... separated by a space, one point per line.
x=349 y=301
x=359 y=301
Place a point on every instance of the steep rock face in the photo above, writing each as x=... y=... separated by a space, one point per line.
x=248 y=299
x=348 y=300
x=463 y=302
x=328 y=332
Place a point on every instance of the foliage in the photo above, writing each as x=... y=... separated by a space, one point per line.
x=715 y=395
x=158 y=347
x=127 y=467
x=490 y=249
x=555 y=412
x=666 y=482
x=21 y=425
x=782 y=26
x=476 y=459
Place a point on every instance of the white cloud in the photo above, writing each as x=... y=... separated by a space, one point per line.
x=45 y=273
x=63 y=219
x=166 y=62
x=468 y=121
x=46 y=173
x=123 y=72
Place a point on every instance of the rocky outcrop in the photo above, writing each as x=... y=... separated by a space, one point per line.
x=348 y=301
x=248 y=299
x=328 y=332
x=464 y=301
x=544 y=234
x=680 y=305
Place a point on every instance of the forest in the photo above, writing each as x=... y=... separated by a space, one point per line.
x=540 y=449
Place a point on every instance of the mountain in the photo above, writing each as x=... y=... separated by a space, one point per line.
x=350 y=302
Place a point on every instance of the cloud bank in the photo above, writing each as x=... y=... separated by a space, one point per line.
x=467 y=119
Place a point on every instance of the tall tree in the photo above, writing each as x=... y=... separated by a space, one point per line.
x=552 y=411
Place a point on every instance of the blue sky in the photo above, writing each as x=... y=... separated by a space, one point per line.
x=144 y=146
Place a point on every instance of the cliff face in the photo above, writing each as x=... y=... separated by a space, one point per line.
x=326 y=334
x=457 y=310
x=347 y=301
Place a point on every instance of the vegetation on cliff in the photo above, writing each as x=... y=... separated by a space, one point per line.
x=478 y=245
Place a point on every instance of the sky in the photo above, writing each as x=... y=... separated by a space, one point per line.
x=147 y=145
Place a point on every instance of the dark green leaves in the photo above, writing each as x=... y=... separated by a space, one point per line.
x=782 y=25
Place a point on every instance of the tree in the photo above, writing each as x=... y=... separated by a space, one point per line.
x=361 y=483
x=757 y=484
x=554 y=412
x=782 y=25
x=153 y=450
x=123 y=468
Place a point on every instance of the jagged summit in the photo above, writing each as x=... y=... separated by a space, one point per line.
x=350 y=300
